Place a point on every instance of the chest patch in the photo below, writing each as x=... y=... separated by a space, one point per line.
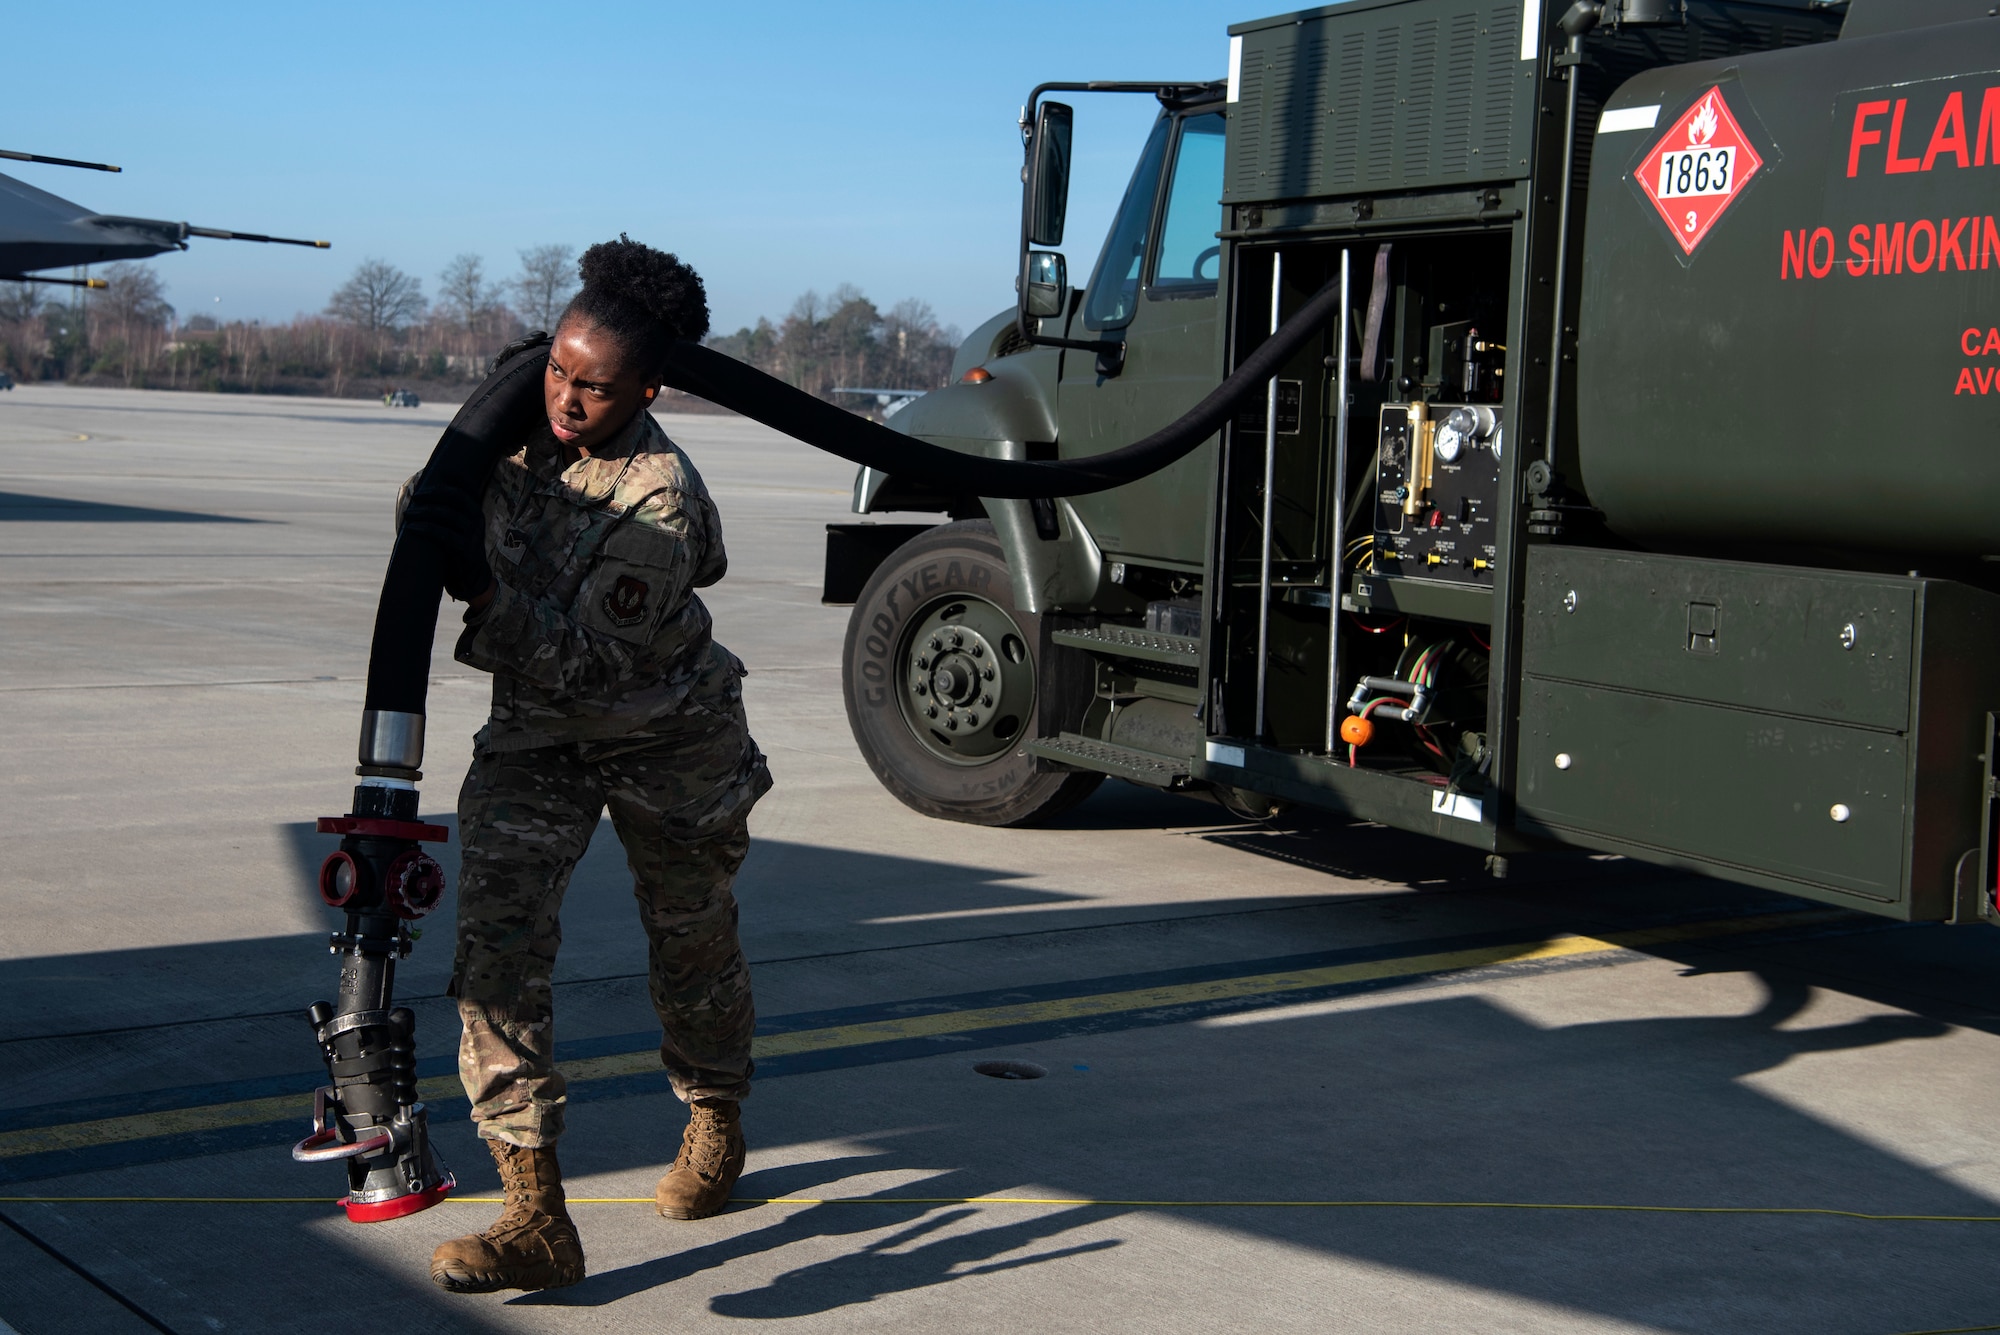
x=625 y=601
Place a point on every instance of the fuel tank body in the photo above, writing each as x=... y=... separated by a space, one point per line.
x=1789 y=317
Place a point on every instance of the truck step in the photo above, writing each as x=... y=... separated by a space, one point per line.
x=1123 y=762
x=1154 y=646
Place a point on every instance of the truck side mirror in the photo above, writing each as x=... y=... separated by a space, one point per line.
x=1048 y=175
x=1047 y=294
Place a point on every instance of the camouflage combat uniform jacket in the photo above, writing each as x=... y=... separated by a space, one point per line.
x=594 y=630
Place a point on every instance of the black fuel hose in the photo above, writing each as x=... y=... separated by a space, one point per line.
x=508 y=404
x=744 y=389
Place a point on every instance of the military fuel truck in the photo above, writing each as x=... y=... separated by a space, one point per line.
x=1641 y=494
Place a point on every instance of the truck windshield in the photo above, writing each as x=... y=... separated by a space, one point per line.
x=1114 y=287
x=1189 y=256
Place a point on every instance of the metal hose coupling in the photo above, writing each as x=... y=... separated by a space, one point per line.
x=391 y=740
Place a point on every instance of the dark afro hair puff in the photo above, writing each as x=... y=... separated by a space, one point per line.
x=645 y=298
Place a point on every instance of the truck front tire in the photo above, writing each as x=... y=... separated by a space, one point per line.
x=943 y=684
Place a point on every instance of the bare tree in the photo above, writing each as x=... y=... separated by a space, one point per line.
x=916 y=349
x=808 y=309
x=20 y=301
x=547 y=281
x=464 y=296
x=911 y=313
x=133 y=295
x=133 y=305
x=378 y=296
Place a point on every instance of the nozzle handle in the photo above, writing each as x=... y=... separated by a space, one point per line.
x=322 y=1146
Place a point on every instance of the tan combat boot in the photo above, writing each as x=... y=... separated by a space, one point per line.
x=711 y=1156
x=533 y=1245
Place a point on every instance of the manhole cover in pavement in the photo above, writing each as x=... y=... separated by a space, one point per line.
x=1011 y=1070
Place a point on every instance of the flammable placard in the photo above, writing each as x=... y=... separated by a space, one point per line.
x=1698 y=168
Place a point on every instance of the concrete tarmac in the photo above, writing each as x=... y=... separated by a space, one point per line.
x=1304 y=1076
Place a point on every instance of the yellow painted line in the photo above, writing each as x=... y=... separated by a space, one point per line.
x=182 y=1121
x=170 y=1122
x=251 y=1112
x=1073 y=1201
x=1219 y=989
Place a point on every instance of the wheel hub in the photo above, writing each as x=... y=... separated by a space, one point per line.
x=969 y=682
x=955 y=679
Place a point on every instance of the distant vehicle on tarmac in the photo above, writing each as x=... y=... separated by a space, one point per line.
x=6 y=380
x=1643 y=499
x=401 y=398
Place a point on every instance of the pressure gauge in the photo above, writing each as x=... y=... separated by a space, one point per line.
x=1455 y=434
x=1448 y=443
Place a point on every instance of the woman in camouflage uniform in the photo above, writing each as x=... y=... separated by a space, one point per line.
x=607 y=692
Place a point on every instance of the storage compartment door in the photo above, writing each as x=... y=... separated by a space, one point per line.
x=1817 y=804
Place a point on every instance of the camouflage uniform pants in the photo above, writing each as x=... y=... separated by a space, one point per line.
x=679 y=796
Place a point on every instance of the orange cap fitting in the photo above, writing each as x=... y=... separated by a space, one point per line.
x=978 y=375
x=1356 y=730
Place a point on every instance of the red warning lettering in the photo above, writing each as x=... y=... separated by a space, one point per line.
x=1875 y=140
x=1977 y=342
x=1976 y=380
x=1907 y=246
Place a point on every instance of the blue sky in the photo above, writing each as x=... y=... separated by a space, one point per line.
x=777 y=147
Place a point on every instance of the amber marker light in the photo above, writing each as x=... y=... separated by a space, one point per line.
x=978 y=375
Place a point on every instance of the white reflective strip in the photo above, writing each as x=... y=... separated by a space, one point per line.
x=377 y=781
x=1531 y=29
x=1629 y=118
x=1457 y=804
x=1236 y=69
x=1219 y=754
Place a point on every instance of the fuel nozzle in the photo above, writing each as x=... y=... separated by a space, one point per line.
x=369 y=1115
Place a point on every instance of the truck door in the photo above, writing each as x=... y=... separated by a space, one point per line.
x=1155 y=285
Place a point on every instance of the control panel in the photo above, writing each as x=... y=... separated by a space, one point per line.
x=1437 y=501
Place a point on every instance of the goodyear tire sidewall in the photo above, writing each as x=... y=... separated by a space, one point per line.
x=966 y=558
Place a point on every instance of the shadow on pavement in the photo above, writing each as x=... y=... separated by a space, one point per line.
x=19 y=507
x=876 y=1267
x=1414 y=1099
